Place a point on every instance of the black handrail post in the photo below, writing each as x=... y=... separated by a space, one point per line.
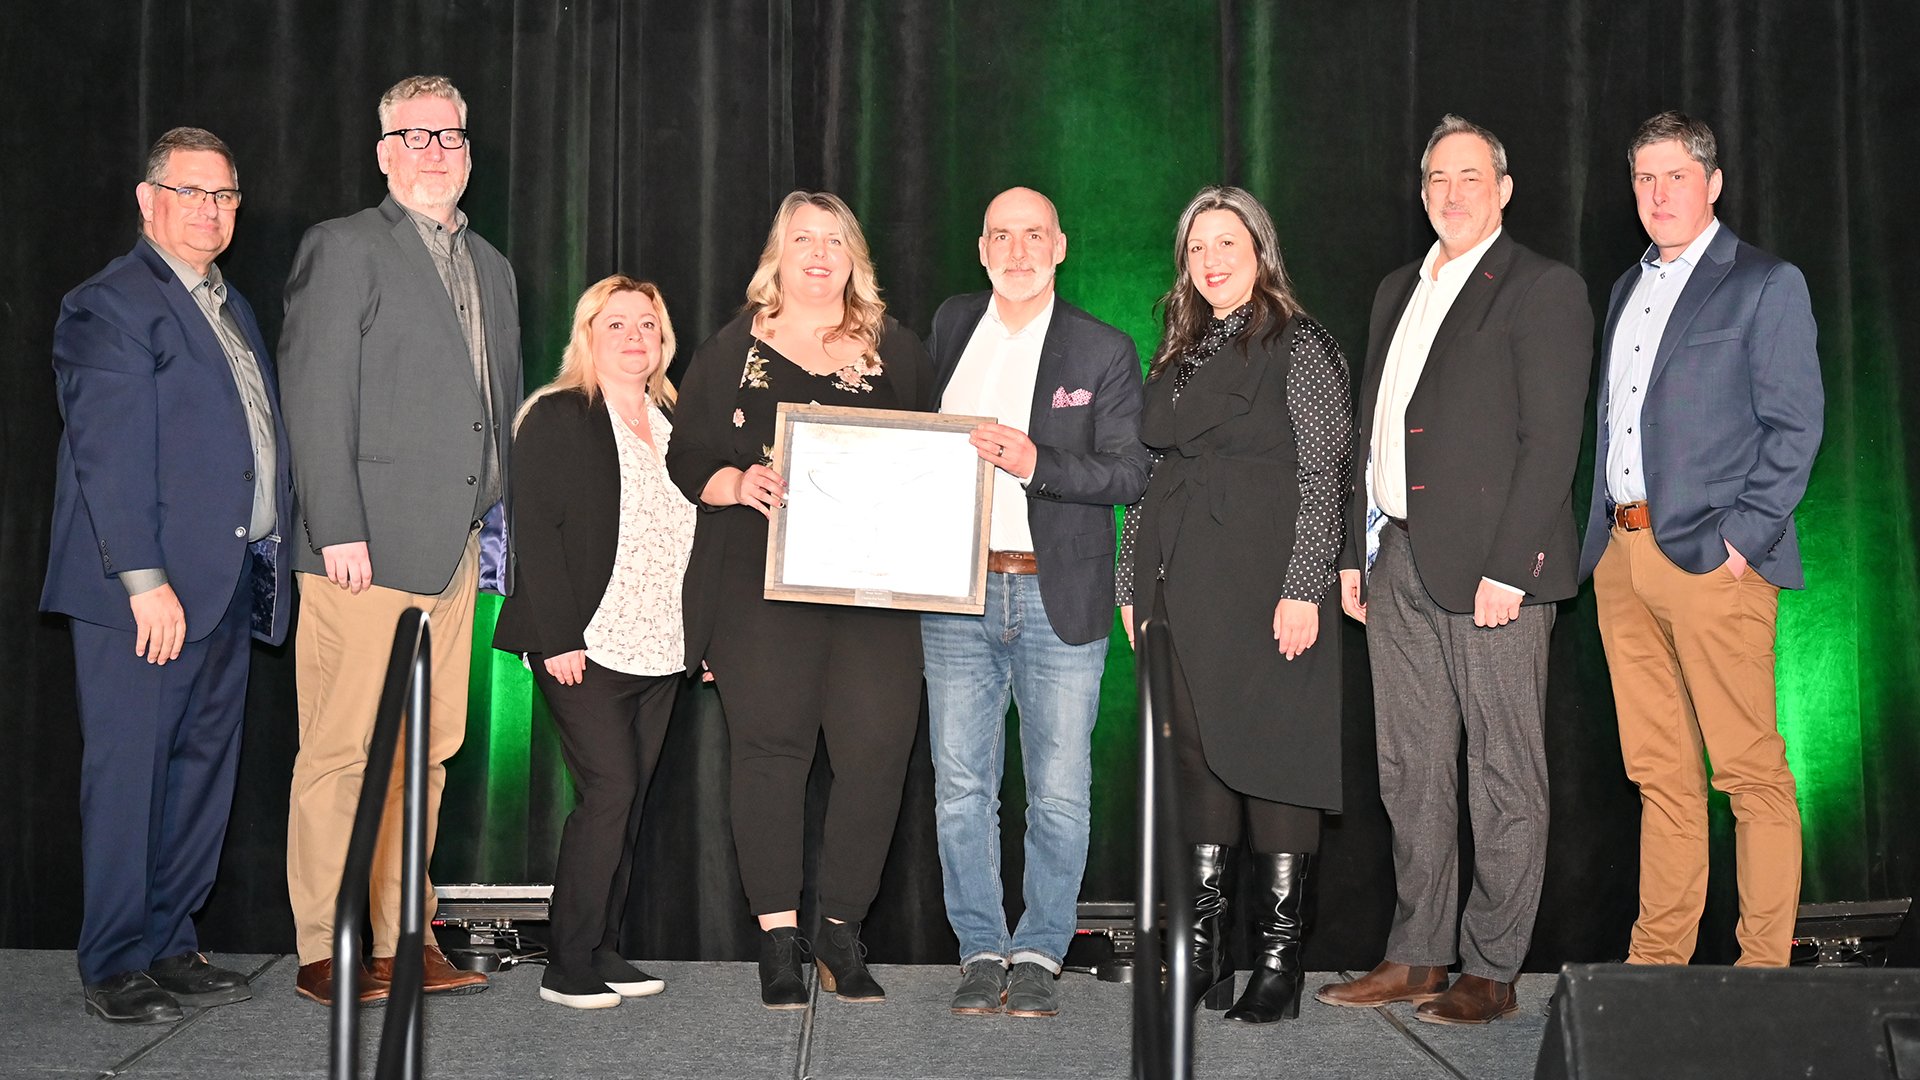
x=1163 y=1017
x=401 y=1049
x=407 y=663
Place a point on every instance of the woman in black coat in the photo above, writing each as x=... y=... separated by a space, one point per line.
x=1233 y=548
x=603 y=540
x=788 y=673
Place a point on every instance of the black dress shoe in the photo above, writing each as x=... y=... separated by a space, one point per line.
x=193 y=980
x=132 y=997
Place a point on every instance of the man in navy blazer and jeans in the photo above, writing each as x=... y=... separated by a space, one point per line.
x=1709 y=419
x=1065 y=389
x=171 y=496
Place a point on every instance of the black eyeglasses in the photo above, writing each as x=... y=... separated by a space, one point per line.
x=418 y=138
x=190 y=197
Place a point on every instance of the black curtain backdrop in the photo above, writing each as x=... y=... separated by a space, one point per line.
x=654 y=138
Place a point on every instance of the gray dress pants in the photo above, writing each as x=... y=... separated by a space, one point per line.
x=1436 y=675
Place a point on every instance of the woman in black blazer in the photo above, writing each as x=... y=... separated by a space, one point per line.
x=814 y=330
x=1233 y=548
x=603 y=540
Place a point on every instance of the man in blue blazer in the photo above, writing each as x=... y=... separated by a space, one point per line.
x=1065 y=389
x=172 y=488
x=1709 y=420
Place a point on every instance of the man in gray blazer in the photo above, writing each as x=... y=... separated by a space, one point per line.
x=1065 y=389
x=1709 y=420
x=401 y=362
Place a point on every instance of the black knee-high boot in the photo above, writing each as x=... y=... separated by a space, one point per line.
x=1273 y=989
x=1212 y=973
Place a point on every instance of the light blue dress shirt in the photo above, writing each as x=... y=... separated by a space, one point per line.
x=1636 y=341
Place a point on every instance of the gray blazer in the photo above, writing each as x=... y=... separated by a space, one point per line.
x=387 y=423
x=1086 y=425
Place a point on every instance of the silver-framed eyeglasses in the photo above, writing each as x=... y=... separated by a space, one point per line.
x=418 y=138
x=191 y=197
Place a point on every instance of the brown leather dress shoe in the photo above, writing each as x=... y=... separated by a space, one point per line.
x=1386 y=983
x=1471 y=1000
x=315 y=983
x=440 y=976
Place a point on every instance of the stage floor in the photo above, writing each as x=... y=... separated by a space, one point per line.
x=709 y=1024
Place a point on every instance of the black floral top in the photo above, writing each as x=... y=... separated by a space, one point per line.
x=769 y=378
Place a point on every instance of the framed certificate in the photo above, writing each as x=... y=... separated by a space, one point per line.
x=884 y=509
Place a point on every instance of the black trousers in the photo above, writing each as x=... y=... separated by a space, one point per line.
x=1210 y=811
x=611 y=728
x=787 y=674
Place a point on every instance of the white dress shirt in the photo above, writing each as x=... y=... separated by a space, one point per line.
x=1636 y=341
x=996 y=377
x=1433 y=295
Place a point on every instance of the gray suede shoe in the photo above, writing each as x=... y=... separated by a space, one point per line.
x=983 y=986
x=1030 y=991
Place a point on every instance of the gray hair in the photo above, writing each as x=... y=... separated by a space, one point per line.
x=188 y=139
x=1460 y=125
x=414 y=86
x=1694 y=136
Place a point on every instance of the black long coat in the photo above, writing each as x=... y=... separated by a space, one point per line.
x=1217 y=522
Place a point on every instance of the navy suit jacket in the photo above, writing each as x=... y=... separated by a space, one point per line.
x=155 y=466
x=1732 y=417
x=1090 y=457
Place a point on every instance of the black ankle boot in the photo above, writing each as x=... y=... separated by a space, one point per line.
x=1273 y=990
x=1212 y=976
x=842 y=961
x=782 y=984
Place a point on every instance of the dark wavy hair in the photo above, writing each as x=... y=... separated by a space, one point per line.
x=1184 y=312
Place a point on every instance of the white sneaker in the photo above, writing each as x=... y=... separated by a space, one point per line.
x=606 y=999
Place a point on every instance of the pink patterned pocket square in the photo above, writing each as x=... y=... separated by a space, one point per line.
x=1064 y=400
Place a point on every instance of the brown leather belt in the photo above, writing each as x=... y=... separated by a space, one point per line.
x=1012 y=562
x=1632 y=516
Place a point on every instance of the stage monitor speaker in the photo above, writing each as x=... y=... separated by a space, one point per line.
x=1618 y=1022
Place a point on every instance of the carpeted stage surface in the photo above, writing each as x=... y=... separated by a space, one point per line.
x=709 y=1024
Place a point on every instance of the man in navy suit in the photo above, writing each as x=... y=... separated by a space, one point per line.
x=172 y=485
x=1709 y=420
x=1065 y=390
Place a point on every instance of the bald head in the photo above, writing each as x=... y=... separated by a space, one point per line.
x=1022 y=203
x=1020 y=244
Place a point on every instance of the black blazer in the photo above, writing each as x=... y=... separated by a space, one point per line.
x=705 y=441
x=1493 y=429
x=566 y=523
x=1090 y=457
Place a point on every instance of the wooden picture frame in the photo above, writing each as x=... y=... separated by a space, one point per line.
x=884 y=509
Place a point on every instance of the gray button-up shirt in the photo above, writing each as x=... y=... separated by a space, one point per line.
x=454 y=261
x=210 y=293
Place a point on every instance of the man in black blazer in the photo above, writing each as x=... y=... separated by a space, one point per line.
x=171 y=497
x=1066 y=391
x=402 y=357
x=1470 y=424
x=1709 y=419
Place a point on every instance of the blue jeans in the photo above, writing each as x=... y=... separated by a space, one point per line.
x=972 y=664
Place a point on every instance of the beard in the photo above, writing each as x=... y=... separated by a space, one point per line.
x=1020 y=292
x=429 y=192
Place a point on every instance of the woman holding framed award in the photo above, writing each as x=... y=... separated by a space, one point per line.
x=814 y=331
x=1232 y=548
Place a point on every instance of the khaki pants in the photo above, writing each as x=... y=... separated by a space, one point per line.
x=1691 y=657
x=340 y=664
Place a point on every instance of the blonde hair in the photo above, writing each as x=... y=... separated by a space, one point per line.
x=864 y=308
x=576 y=361
x=414 y=86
